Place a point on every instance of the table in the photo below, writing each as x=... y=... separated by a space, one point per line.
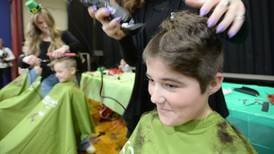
x=246 y=114
x=116 y=89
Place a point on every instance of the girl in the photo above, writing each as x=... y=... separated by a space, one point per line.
x=184 y=62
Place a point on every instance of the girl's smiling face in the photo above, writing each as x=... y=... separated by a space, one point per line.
x=178 y=97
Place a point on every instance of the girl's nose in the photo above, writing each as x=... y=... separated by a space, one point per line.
x=157 y=99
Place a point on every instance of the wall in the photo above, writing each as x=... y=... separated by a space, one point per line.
x=58 y=9
x=5 y=31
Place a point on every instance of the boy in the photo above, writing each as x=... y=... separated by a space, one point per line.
x=65 y=69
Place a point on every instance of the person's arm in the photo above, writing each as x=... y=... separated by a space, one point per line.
x=28 y=61
x=129 y=50
x=10 y=56
x=71 y=41
x=232 y=11
x=113 y=29
x=71 y=44
x=21 y=63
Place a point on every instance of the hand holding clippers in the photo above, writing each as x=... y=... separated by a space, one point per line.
x=127 y=23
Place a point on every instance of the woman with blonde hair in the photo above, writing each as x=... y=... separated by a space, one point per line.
x=43 y=43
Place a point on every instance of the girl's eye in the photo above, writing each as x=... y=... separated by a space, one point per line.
x=150 y=80
x=169 y=86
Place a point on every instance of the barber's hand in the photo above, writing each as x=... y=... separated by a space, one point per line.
x=38 y=70
x=232 y=10
x=111 y=27
x=31 y=60
x=59 y=52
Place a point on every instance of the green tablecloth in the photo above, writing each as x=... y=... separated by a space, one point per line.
x=116 y=89
x=247 y=115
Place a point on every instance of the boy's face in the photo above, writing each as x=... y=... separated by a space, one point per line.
x=178 y=98
x=63 y=72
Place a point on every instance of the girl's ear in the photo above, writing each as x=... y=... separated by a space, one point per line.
x=216 y=84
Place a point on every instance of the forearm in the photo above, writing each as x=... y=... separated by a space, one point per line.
x=28 y=61
x=21 y=63
x=10 y=57
x=129 y=50
x=71 y=42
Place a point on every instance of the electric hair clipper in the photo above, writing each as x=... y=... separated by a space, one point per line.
x=116 y=10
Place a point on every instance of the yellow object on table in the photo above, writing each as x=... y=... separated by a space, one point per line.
x=115 y=89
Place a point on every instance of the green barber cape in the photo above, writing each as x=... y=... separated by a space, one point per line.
x=212 y=135
x=14 y=108
x=56 y=125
